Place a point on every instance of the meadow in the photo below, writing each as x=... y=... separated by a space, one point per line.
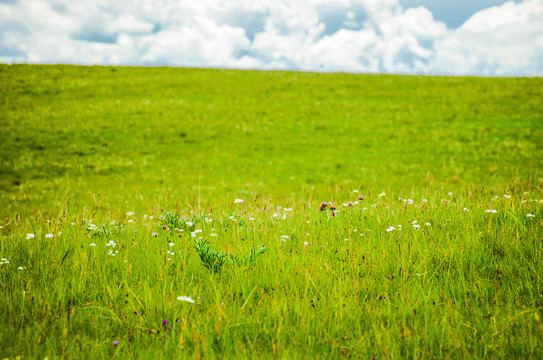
x=176 y=213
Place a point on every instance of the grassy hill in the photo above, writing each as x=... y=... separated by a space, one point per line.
x=193 y=213
x=130 y=137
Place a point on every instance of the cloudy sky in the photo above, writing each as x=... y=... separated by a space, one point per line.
x=476 y=37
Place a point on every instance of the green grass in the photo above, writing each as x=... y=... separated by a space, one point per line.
x=83 y=147
x=131 y=137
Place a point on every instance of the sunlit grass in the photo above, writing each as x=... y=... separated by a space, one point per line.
x=176 y=213
x=444 y=282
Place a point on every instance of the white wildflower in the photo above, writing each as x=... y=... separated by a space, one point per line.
x=185 y=298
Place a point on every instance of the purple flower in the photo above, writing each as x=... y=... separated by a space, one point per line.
x=346 y=337
x=115 y=342
x=325 y=340
x=343 y=351
x=155 y=234
x=135 y=312
x=163 y=322
x=169 y=329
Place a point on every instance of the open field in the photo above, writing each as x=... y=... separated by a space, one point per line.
x=113 y=178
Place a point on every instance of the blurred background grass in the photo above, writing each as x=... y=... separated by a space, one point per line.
x=133 y=137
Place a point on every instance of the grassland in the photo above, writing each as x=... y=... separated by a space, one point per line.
x=109 y=176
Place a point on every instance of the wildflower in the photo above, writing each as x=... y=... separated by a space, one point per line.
x=92 y=244
x=491 y=211
x=49 y=236
x=416 y=226
x=239 y=201
x=288 y=209
x=465 y=209
x=356 y=191
x=450 y=193
x=381 y=194
x=360 y=197
x=414 y=222
x=154 y=234
x=164 y=227
x=392 y=228
x=252 y=219
x=424 y=200
x=332 y=207
x=115 y=343
x=21 y=268
x=333 y=213
x=130 y=213
x=163 y=322
x=507 y=196
x=284 y=236
x=185 y=298
x=428 y=224
x=530 y=215
x=306 y=243
x=30 y=236
x=135 y=312
x=323 y=206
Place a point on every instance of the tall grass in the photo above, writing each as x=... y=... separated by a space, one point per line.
x=429 y=274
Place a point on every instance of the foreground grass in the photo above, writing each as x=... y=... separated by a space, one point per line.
x=452 y=279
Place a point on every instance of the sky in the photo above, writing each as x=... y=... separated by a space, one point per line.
x=456 y=37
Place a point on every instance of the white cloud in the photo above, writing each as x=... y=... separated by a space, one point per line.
x=338 y=35
x=504 y=40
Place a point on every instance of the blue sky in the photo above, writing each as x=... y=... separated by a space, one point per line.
x=453 y=12
x=460 y=37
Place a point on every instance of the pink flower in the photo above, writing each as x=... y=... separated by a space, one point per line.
x=360 y=197
x=323 y=206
